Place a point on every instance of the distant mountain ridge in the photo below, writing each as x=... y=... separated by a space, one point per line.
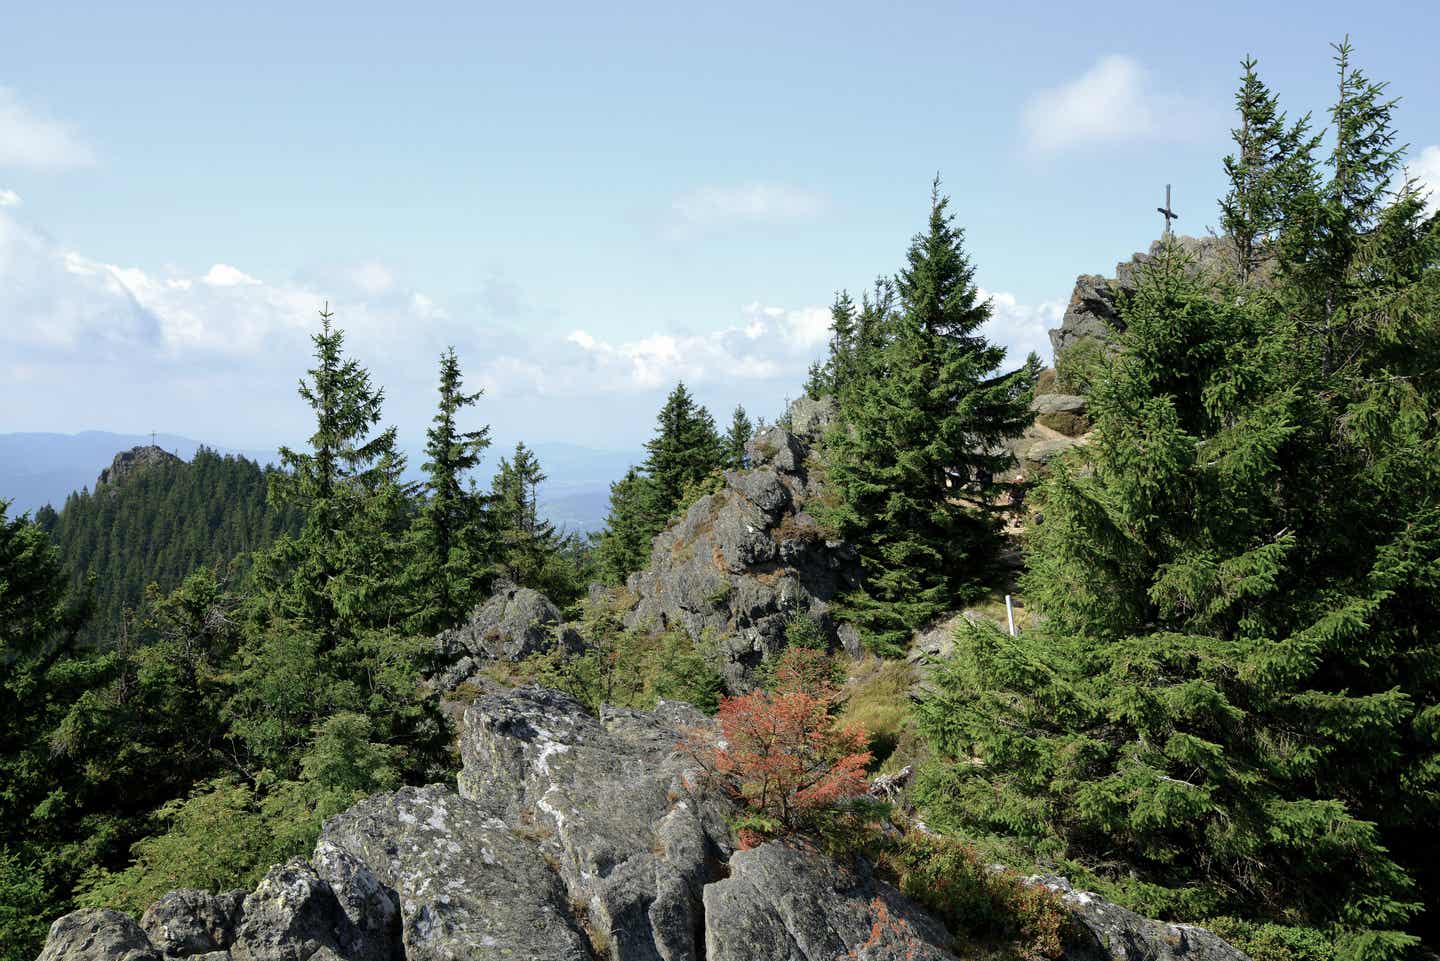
x=44 y=468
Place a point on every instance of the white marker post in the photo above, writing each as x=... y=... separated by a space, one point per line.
x=1010 y=613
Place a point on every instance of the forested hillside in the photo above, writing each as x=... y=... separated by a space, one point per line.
x=158 y=523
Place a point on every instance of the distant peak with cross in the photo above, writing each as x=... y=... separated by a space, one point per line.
x=1167 y=211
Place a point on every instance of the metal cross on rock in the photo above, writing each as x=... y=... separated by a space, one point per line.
x=1166 y=212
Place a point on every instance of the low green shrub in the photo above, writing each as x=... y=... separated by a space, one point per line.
x=1274 y=942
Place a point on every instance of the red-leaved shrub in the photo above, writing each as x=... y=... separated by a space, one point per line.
x=785 y=757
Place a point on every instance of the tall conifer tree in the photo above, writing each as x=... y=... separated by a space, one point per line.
x=624 y=544
x=1270 y=165
x=340 y=573
x=450 y=562
x=923 y=423
x=683 y=451
x=737 y=437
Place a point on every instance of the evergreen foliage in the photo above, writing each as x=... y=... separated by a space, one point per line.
x=340 y=574
x=1266 y=172
x=451 y=547
x=624 y=544
x=737 y=436
x=159 y=524
x=529 y=550
x=924 y=412
x=683 y=458
x=1227 y=708
x=1232 y=705
x=683 y=452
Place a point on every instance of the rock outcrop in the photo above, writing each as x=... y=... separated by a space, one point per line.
x=513 y=623
x=571 y=838
x=97 y=935
x=1092 y=313
x=1092 y=320
x=135 y=459
x=744 y=560
x=1113 y=933
x=787 y=900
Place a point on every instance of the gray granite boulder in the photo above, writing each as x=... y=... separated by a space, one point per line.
x=467 y=885
x=290 y=916
x=513 y=623
x=811 y=417
x=623 y=816
x=97 y=935
x=188 y=922
x=788 y=900
x=1059 y=404
x=1112 y=933
x=1093 y=313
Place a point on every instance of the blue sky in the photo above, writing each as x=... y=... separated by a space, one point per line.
x=588 y=202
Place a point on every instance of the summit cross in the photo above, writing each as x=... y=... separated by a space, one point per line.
x=1166 y=211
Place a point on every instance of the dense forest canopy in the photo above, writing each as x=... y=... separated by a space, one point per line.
x=160 y=523
x=1224 y=708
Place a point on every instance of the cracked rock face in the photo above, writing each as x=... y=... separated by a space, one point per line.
x=623 y=817
x=466 y=885
x=189 y=922
x=788 y=900
x=513 y=623
x=745 y=559
x=97 y=935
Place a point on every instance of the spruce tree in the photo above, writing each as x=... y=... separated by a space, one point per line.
x=683 y=456
x=624 y=544
x=450 y=546
x=737 y=437
x=525 y=542
x=827 y=377
x=1269 y=166
x=1230 y=706
x=684 y=451
x=341 y=572
x=923 y=422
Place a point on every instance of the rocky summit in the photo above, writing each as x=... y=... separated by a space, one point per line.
x=135 y=459
x=1093 y=314
x=744 y=560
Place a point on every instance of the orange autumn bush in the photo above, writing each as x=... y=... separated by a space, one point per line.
x=783 y=754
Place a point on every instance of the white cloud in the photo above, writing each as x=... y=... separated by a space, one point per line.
x=63 y=302
x=747 y=204
x=101 y=345
x=9 y=198
x=1426 y=169
x=29 y=140
x=1113 y=102
x=373 y=278
x=1022 y=328
x=766 y=343
x=223 y=275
